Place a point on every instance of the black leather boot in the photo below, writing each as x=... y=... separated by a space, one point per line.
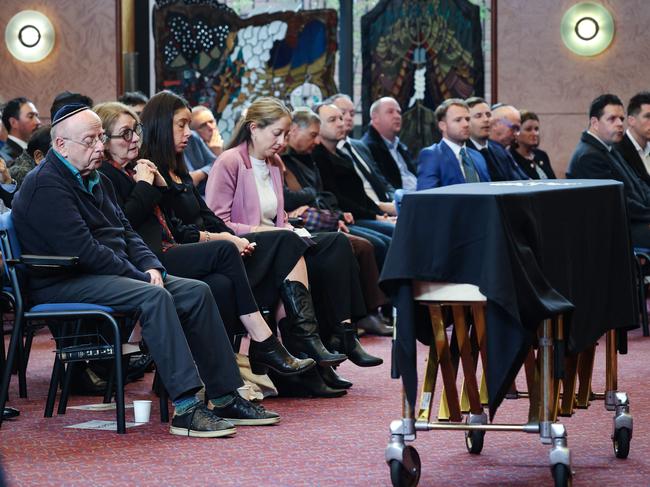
x=271 y=354
x=333 y=379
x=300 y=328
x=344 y=339
x=309 y=384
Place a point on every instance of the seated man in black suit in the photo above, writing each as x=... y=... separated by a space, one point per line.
x=596 y=158
x=374 y=183
x=500 y=163
x=635 y=146
x=20 y=118
x=382 y=138
x=341 y=177
x=180 y=321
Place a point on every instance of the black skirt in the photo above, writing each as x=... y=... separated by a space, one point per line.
x=276 y=254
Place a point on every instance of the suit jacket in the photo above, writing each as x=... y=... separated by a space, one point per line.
x=385 y=191
x=11 y=150
x=632 y=157
x=311 y=192
x=231 y=191
x=387 y=165
x=501 y=165
x=438 y=166
x=591 y=160
x=339 y=177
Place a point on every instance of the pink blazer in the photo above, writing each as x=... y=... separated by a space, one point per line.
x=231 y=192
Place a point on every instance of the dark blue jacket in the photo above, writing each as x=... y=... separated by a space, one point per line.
x=54 y=215
x=501 y=166
x=438 y=166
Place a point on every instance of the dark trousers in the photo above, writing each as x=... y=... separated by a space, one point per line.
x=379 y=239
x=219 y=265
x=180 y=325
x=364 y=252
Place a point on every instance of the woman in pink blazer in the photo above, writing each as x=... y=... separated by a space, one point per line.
x=244 y=189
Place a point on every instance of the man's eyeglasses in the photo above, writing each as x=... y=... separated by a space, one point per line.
x=515 y=127
x=127 y=134
x=90 y=143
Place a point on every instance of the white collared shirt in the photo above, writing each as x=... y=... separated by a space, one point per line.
x=479 y=146
x=409 y=181
x=456 y=149
x=644 y=153
x=18 y=141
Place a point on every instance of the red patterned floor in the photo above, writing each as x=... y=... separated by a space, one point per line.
x=320 y=442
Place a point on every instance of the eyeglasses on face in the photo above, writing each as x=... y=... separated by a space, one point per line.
x=515 y=127
x=127 y=134
x=88 y=142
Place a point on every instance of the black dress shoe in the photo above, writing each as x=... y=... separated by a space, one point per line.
x=138 y=365
x=344 y=339
x=9 y=413
x=271 y=354
x=309 y=384
x=374 y=324
x=88 y=383
x=332 y=379
x=241 y=412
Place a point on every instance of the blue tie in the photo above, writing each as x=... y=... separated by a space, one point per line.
x=471 y=176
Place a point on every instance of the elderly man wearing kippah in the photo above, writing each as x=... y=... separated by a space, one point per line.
x=66 y=207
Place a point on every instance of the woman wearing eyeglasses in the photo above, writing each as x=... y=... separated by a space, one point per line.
x=139 y=189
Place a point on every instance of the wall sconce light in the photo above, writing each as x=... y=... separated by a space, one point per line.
x=587 y=28
x=29 y=36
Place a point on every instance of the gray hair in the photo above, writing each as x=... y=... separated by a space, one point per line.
x=304 y=117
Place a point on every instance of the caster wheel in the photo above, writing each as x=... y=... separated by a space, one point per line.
x=474 y=441
x=400 y=476
x=561 y=475
x=621 y=442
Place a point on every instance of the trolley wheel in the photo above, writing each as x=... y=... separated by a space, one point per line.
x=561 y=475
x=474 y=441
x=621 y=442
x=400 y=476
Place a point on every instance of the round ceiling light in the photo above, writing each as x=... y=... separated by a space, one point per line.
x=29 y=36
x=587 y=28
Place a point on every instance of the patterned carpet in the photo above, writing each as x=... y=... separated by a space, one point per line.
x=320 y=442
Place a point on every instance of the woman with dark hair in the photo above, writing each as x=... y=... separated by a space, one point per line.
x=534 y=162
x=245 y=190
x=275 y=264
x=139 y=189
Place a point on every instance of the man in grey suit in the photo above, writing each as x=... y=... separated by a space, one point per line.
x=595 y=157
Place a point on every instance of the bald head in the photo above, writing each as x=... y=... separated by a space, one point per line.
x=79 y=139
x=386 y=117
x=505 y=125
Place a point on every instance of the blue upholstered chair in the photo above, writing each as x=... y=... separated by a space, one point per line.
x=14 y=267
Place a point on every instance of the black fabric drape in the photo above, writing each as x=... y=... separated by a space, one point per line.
x=535 y=249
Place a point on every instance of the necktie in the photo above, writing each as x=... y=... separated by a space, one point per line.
x=367 y=173
x=471 y=176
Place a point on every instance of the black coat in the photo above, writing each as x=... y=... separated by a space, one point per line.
x=631 y=156
x=12 y=150
x=591 y=160
x=305 y=170
x=54 y=215
x=540 y=159
x=339 y=177
x=384 y=159
x=500 y=164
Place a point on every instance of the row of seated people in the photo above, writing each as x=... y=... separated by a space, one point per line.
x=88 y=224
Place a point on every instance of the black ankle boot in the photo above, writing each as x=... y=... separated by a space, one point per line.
x=309 y=384
x=271 y=354
x=332 y=379
x=344 y=339
x=300 y=328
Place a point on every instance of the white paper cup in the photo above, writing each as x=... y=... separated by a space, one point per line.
x=141 y=411
x=245 y=392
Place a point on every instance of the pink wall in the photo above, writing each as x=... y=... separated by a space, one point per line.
x=83 y=58
x=536 y=71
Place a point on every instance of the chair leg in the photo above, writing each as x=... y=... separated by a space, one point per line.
x=65 y=392
x=21 y=366
x=54 y=386
x=16 y=336
x=119 y=376
x=163 y=398
x=108 y=394
x=644 y=309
